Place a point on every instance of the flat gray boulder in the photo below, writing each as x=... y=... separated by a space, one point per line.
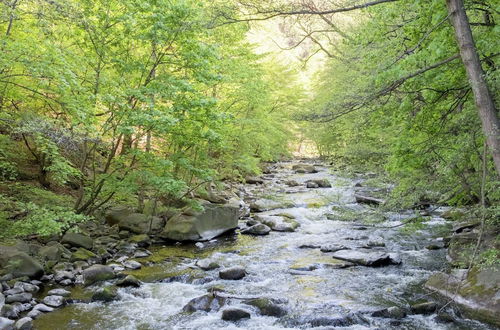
x=136 y=223
x=213 y=221
x=19 y=264
x=367 y=258
x=78 y=240
x=97 y=273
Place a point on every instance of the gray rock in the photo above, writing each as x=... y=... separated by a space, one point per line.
x=304 y=168
x=213 y=221
x=106 y=294
x=427 y=307
x=20 y=297
x=207 y=303
x=54 y=301
x=132 y=264
x=134 y=222
x=278 y=223
x=393 y=312
x=59 y=292
x=234 y=314
x=366 y=258
x=78 y=240
x=232 y=273
x=368 y=200
x=97 y=273
x=54 y=252
x=252 y=222
x=292 y=183
x=129 y=280
x=258 y=229
x=318 y=183
x=141 y=240
x=262 y=205
x=311 y=184
x=26 y=323
x=207 y=264
x=64 y=275
x=333 y=247
x=19 y=264
x=253 y=180
x=34 y=314
x=27 y=287
x=9 y=311
x=267 y=306
x=43 y=308
x=6 y=324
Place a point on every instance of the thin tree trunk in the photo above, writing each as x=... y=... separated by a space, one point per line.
x=482 y=96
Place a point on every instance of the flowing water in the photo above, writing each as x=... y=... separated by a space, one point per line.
x=315 y=292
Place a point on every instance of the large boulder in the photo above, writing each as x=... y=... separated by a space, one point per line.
x=304 y=168
x=213 y=221
x=232 y=273
x=78 y=240
x=97 y=273
x=137 y=223
x=367 y=258
x=476 y=295
x=19 y=264
x=54 y=251
x=208 y=303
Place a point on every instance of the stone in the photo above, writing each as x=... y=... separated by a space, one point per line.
x=318 y=183
x=207 y=264
x=208 y=303
x=132 y=264
x=19 y=264
x=82 y=254
x=26 y=323
x=304 y=168
x=141 y=240
x=78 y=240
x=54 y=301
x=278 y=223
x=232 y=273
x=234 y=314
x=106 y=294
x=54 y=252
x=43 y=308
x=258 y=229
x=292 y=183
x=267 y=306
x=20 y=297
x=9 y=312
x=254 y=180
x=475 y=292
x=6 y=324
x=427 y=307
x=129 y=280
x=368 y=258
x=137 y=223
x=213 y=221
x=33 y=314
x=261 y=205
x=27 y=287
x=97 y=273
x=59 y=292
x=251 y=222
x=64 y=275
x=361 y=199
x=332 y=247
x=311 y=184
x=393 y=312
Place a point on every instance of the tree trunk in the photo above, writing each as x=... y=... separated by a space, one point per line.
x=482 y=96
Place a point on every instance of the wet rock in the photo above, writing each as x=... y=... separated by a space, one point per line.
x=278 y=223
x=326 y=321
x=434 y=247
x=234 y=314
x=61 y=276
x=106 y=294
x=332 y=247
x=129 y=280
x=33 y=314
x=368 y=258
x=304 y=168
x=208 y=303
x=82 y=254
x=132 y=264
x=54 y=252
x=258 y=229
x=368 y=200
x=391 y=312
x=59 y=292
x=318 y=183
x=476 y=294
x=262 y=205
x=54 y=301
x=213 y=221
x=20 y=298
x=27 y=287
x=136 y=223
x=292 y=183
x=19 y=264
x=9 y=312
x=78 y=240
x=6 y=324
x=141 y=240
x=428 y=307
x=232 y=273
x=141 y=254
x=251 y=222
x=253 y=180
x=309 y=246
x=43 y=308
x=97 y=273
x=267 y=306
x=26 y=323
x=207 y=264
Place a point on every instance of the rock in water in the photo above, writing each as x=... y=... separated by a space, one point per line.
x=26 y=323
x=427 y=307
x=78 y=240
x=59 y=292
x=208 y=303
x=262 y=205
x=332 y=247
x=368 y=258
x=318 y=183
x=54 y=301
x=129 y=280
x=97 y=273
x=304 y=168
x=106 y=294
x=213 y=221
x=207 y=264
x=267 y=306
x=368 y=200
x=233 y=273
x=6 y=324
x=235 y=314
x=258 y=229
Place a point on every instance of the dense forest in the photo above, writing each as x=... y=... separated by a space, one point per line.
x=169 y=108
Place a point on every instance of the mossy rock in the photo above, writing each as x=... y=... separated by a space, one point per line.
x=106 y=294
x=82 y=254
